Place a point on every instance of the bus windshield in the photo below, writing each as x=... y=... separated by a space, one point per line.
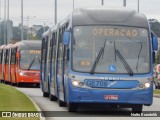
x=110 y=49
x=30 y=59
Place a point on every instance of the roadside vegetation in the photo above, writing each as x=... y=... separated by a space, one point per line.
x=157 y=92
x=13 y=100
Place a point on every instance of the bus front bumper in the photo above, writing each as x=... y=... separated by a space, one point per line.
x=115 y=96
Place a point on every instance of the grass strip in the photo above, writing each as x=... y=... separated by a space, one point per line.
x=157 y=92
x=13 y=100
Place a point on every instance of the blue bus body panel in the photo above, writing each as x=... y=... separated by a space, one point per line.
x=83 y=95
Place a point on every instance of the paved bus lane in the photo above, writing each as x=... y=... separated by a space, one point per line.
x=51 y=108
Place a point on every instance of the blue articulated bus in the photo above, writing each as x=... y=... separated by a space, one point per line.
x=99 y=56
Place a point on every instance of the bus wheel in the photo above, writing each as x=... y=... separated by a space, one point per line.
x=52 y=98
x=72 y=107
x=45 y=94
x=13 y=84
x=19 y=85
x=61 y=103
x=137 y=108
x=38 y=85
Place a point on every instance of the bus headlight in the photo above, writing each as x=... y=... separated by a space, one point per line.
x=147 y=85
x=77 y=83
x=22 y=73
x=144 y=85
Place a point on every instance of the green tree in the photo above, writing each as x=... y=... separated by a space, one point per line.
x=155 y=26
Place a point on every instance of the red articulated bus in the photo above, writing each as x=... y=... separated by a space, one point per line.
x=2 y=63
x=23 y=62
x=7 y=53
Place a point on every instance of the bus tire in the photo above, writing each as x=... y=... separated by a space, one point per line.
x=45 y=94
x=72 y=107
x=19 y=85
x=13 y=84
x=61 y=103
x=52 y=98
x=137 y=108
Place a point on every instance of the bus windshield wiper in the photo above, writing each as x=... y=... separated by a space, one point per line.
x=30 y=65
x=126 y=65
x=97 y=58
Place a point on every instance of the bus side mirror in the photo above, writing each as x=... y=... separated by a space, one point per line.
x=155 y=42
x=17 y=54
x=66 y=38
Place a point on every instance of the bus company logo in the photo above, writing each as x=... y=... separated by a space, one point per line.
x=20 y=114
x=6 y=114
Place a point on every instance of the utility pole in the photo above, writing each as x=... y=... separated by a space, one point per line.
x=44 y=27
x=0 y=10
x=5 y=41
x=55 y=12
x=8 y=23
x=8 y=10
x=138 y=6
x=102 y=2
x=0 y=20
x=21 y=19
x=73 y=4
x=28 y=17
x=124 y=3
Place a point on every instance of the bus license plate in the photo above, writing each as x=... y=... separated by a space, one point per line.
x=111 y=97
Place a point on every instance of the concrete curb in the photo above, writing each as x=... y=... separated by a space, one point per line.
x=37 y=107
x=157 y=95
x=35 y=104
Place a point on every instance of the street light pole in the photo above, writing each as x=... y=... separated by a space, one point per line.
x=0 y=19
x=8 y=30
x=28 y=17
x=5 y=42
x=21 y=19
x=102 y=2
x=73 y=4
x=8 y=10
x=55 y=12
x=138 y=6
x=124 y=3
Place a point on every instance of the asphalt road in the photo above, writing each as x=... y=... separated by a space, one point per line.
x=46 y=105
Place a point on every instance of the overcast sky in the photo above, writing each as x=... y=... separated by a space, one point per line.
x=42 y=11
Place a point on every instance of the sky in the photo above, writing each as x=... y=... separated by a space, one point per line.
x=42 y=11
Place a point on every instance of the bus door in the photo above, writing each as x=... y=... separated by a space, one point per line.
x=44 y=73
x=1 y=57
x=53 y=65
x=6 y=66
x=13 y=65
x=62 y=65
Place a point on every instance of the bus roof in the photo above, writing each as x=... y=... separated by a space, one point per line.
x=28 y=45
x=7 y=46
x=2 y=46
x=108 y=16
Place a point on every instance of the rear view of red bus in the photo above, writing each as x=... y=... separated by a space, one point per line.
x=25 y=62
